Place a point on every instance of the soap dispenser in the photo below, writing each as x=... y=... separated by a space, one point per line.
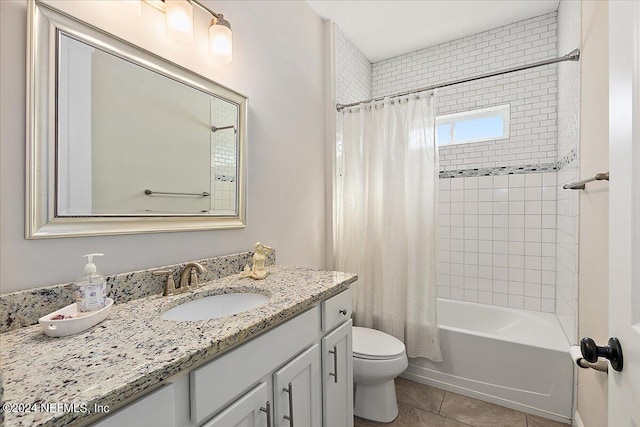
x=91 y=287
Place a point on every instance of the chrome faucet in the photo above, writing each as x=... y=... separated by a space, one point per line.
x=189 y=275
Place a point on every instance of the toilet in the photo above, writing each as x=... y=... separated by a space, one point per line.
x=377 y=359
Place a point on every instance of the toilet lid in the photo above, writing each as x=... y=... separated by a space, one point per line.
x=371 y=344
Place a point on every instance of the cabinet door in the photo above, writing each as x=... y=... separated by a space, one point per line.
x=214 y=384
x=297 y=391
x=337 y=377
x=250 y=410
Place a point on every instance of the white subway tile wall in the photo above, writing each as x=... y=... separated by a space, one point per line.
x=223 y=159
x=567 y=252
x=497 y=240
x=353 y=71
x=568 y=137
x=531 y=93
x=352 y=79
x=568 y=79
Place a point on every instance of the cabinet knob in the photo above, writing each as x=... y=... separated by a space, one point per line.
x=612 y=352
x=343 y=311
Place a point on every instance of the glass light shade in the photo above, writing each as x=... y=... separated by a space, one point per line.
x=220 y=43
x=179 y=20
x=131 y=8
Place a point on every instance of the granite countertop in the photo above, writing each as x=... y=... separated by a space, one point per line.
x=134 y=349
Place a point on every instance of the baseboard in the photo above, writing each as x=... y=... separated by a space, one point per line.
x=577 y=421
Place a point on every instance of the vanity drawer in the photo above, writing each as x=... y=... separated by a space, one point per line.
x=217 y=383
x=336 y=310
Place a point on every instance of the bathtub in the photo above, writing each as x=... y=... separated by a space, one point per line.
x=514 y=358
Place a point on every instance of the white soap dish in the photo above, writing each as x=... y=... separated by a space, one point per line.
x=78 y=321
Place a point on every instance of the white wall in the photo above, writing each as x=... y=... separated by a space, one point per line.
x=278 y=66
x=593 y=271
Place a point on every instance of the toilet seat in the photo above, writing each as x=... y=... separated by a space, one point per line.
x=371 y=344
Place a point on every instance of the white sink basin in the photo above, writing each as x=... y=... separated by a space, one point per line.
x=215 y=306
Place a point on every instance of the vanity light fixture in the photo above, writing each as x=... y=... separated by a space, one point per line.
x=220 y=40
x=179 y=22
x=178 y=15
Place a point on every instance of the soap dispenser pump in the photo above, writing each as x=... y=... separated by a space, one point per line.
x=91 y=287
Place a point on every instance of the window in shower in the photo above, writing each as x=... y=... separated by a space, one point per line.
x=486 y=124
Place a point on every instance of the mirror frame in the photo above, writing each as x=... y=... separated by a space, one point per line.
x=41 y=221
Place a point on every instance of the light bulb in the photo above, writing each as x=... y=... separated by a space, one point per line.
x=220 y=40
x=179 y=20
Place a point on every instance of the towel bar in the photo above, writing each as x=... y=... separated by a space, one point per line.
x=580 y=185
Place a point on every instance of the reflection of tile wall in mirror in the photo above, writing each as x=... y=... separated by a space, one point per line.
x=223 y=151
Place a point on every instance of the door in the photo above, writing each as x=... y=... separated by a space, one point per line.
x=624 y=209
x=251 y=410
x=337 y=377
x=296 y=391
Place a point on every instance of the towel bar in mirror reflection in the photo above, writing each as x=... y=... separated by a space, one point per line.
x=169 y=193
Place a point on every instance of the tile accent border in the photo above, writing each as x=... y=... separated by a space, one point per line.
x=500 y=170
x=512 y=170
x=24 y=308
x=568 y=158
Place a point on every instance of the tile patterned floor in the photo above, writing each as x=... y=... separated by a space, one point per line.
x=424 y=406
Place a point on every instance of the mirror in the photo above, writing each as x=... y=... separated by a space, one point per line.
x=122 y=141
x=135 y=142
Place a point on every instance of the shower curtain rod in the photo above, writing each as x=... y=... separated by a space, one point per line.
x=574 y=55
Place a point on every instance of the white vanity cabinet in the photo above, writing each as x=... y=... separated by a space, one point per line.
x=153 y=409
x=229 y=376
x=316 y=386
x=337 y=361
x=297 y=391
x=251 y=410
x=286 y=372
x=337 y=394
x=295 y=400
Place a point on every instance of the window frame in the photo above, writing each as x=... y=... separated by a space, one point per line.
x=503 y=110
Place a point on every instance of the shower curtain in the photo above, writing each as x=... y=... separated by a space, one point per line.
x=387 y=164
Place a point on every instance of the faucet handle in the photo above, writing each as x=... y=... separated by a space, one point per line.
x=193 y=277
x=170 y=285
